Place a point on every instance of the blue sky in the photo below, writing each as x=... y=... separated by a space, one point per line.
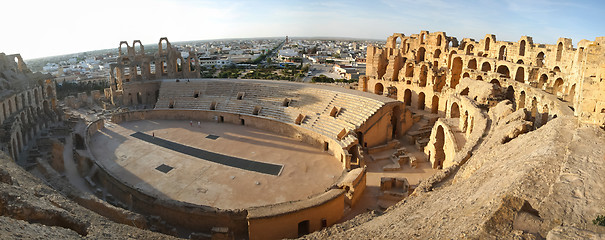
x=39 y=28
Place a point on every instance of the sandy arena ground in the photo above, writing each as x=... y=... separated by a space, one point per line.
x=307 y=170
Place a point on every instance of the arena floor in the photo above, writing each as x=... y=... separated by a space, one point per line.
x=167 y=173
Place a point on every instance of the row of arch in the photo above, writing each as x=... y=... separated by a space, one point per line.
x=454 y=110
x=25 y=127
x=138 y=98
x=398 y=41
x=539 y=111
x=148 y=69
x=421 y=103
x=521 y=74
x=22 y=100
x=503 y=51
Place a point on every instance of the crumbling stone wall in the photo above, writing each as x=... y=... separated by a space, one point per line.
x=422 y=69
x=134 y=67
x=433 y=72
x=27 y=104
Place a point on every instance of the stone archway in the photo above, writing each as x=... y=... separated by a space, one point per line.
x=421 y=98
x=521 y=103
x=456 y=71
x=503 y=69
x=423 y=76
x=435 y=105
x=455 y=111
x=407 y=97
x=510 y=95
x=486 y=67
x=439 y=148
x=378 y=88
x=544 y=115
x=520 y=75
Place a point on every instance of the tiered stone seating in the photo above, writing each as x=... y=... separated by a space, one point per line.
x=280 y=113
x=312 y=102
x=355 y=109
x=330 y=126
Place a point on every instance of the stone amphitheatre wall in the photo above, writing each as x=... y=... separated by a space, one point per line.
x=348 y=119
x=250 y=223
x=191 y=216
x=422 y=68
x=475 y=125
x=283 y=220
x=459 y=81
x=27 y=104
x=134 y=65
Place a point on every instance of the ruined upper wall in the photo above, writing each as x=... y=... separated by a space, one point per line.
x=434 y=62
x=134 y=65
x=14 y=74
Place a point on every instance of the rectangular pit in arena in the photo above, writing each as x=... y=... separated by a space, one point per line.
x=245 y=164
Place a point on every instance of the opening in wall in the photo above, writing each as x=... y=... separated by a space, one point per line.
x=303 y=228
x=256 y=110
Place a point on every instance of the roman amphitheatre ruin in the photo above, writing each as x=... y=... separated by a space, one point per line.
x=442 y=139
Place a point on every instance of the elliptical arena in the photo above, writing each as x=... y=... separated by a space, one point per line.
x=257 y=159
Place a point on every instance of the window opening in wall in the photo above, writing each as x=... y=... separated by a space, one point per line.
x=540 y=59
x=435 y=105
x=179 y=65
x=303 y=228
x=324 y=223
x=192 y=67
x=421 y=97
x=152 y=68
x=559 y=51
x=407 y=97
x=439 y=148
x=256 y=110
x=242 y=121
x=326 y=146
x=502 y=54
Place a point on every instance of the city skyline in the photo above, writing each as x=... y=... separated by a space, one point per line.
x=66 y=26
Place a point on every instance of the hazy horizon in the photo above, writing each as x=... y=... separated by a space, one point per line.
x=38 y=29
